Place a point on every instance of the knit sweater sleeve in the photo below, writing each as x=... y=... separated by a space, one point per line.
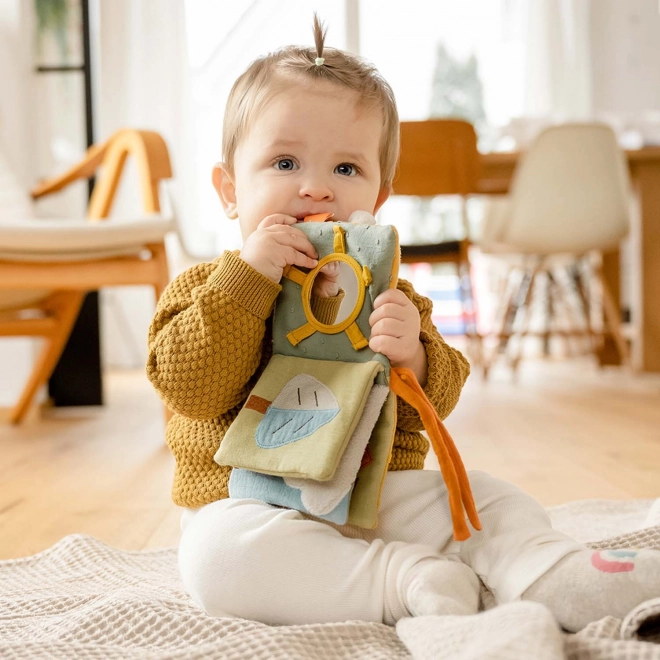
x=325 y=310
x=447 y=368
x=205 y=340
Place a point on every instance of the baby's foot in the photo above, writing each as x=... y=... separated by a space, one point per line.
x=439 y=587
x=591 y=584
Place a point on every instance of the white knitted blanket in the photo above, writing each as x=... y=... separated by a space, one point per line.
x=84 y=599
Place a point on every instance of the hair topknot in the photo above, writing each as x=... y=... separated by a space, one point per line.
x=320 y=31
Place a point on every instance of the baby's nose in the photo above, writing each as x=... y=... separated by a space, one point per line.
x=317 y=191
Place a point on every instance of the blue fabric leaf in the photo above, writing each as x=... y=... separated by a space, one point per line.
x=281 y=426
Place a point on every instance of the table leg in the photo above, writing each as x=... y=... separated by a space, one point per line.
x=608 y=353
x=646 y=180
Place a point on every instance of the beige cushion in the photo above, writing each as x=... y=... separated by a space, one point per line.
x=24 y=237
x=45 y=239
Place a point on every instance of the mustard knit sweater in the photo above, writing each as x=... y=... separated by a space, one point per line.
x=209 y=341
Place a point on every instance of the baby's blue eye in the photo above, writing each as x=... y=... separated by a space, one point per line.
x=285 y=164
x=346 y=169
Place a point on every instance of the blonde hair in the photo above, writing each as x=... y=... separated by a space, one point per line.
x=260 y=82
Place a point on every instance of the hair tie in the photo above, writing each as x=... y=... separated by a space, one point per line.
x=319 y=61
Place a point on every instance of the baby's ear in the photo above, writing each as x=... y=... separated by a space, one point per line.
x=383 y=195
x=224 y=186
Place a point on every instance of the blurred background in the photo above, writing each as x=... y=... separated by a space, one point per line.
x=510 y=67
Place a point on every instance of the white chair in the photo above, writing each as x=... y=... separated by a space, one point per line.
x=47 y=265
x=569 y=198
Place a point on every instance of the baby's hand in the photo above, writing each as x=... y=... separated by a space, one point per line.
x=326 y=284
x=395 y=327
x=276 y=244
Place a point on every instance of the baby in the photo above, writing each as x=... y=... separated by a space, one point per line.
x=312 y=131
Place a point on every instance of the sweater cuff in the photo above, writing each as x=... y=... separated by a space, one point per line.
x=325 y=310
x=447 y=372
x=245 y=285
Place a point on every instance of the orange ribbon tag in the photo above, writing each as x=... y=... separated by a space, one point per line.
x=404 y=384
x=318 y=217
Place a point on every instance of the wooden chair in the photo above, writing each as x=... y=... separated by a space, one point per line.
x=440 y=157
x=47 y=267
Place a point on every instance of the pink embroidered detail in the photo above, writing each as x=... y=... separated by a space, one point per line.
x=608 y=566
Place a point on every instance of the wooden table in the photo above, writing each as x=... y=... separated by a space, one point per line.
x=644 y=164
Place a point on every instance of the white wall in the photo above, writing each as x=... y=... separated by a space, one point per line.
x=16 y=75
x=141 y=77
x=625 y=39
x=625 y=56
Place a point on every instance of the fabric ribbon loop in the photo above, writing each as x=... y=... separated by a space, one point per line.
x=403 y=383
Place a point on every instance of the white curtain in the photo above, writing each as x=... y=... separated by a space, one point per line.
x=16 y=161
x=142 y=82
x=558 y=78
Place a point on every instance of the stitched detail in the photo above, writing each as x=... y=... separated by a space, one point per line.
x=257 y=403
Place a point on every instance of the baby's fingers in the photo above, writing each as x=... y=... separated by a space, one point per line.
x=331 y=270
x=393 y=296
x=390 y=347
x=277 y=219
x=297 y=258
x=292 y=237
x=387 y=311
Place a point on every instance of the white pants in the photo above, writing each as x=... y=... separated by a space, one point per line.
x=248 y=559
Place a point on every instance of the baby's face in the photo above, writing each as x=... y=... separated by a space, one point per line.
x=310 y=150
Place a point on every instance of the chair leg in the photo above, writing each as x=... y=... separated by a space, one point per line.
x=505 y=312
x=563 y=321
x=159 y=255
x=576 y=302
x=547 y=311
x=577 y=281
x=65 y=307
x=517 y=304
x=558 y=302
x=468 y=308
x=510 y=308
x=526 y=308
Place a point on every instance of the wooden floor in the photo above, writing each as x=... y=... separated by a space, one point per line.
x=563 y=431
